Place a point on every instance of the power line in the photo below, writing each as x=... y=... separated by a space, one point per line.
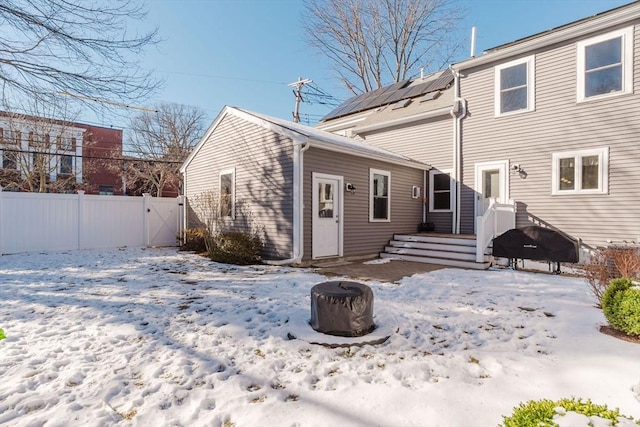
x=79 y=156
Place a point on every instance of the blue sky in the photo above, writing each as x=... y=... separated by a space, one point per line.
x=245 y=52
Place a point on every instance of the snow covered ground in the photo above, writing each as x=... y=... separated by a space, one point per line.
x=161 y=338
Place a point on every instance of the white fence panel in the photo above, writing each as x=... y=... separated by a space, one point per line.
x=112 y=221
x=32 y=222
x=37 y=222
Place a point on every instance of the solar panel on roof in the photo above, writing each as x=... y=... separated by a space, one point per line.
x=443 y=81
x=418 y=90
x=375 y=98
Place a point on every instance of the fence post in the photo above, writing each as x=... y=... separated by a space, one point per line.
x=1 y=222
x=80 y=218
x=180 y=217
x=146 y=208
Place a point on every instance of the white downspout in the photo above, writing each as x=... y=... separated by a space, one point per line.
x=457 y=147
x=299 y=147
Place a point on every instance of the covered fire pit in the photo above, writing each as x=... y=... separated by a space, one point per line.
x=342 y=308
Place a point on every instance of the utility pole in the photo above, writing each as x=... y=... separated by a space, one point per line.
x=298 y=94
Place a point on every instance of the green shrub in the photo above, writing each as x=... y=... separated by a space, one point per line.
x=193 y=239
x=540 y=413
x=2 y=335
x=235 y=247
x=621 y=306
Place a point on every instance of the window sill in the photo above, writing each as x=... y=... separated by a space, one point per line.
x=595 y=98
x=514 y=113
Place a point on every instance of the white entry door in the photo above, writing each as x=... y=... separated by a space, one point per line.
x=327 y=200
x=491 y=183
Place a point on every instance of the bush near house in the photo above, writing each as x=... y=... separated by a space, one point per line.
x=193 y=239
x=606 y=264
x=541 y=413
x=235 y=247
x=621 y=305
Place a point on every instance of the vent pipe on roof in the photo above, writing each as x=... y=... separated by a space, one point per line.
x=422 y=73
x=473 y=42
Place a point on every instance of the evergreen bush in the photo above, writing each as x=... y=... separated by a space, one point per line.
x=235 y=247
x=621 y=306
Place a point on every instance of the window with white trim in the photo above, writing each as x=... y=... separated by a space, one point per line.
x=9 y=159
x=440 y=190
x=227 y=187
x=66 y=165
x=379 y=195
x=605 y=65
x=579 y=172
x=515 y=86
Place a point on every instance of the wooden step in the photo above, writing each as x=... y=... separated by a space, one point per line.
x=440 y=249
x=439 y=261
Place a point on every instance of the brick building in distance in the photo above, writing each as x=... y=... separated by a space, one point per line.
x=49 y=155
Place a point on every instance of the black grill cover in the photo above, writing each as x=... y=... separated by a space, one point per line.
x=342 y=308
x=536 y=243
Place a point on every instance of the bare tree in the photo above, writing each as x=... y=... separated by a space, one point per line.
x=372 y=43
x=78 y=47
x=159 y=142
x=41 y=154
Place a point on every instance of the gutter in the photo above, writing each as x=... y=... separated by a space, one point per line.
x=300 y=145
x=457 y=146
x=401 y=120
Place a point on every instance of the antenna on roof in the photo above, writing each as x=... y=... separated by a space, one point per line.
x=298 y=94
x=473 y=42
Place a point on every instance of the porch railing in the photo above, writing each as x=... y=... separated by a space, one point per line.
x=498 y=218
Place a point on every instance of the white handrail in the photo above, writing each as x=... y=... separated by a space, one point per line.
x=498 y=218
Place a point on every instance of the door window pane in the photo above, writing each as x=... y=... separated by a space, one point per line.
x=380 y=196
x=491 y=183
x=325 y=200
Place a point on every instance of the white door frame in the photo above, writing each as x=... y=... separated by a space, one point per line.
x=339 y=198
x=503 y=170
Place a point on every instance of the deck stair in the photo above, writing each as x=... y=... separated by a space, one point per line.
x=454 y=250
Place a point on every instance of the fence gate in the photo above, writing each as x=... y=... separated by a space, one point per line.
x=162 y=221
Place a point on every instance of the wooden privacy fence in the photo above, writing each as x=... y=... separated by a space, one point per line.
x=34 y=222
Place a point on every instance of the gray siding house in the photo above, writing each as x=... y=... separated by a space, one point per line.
x=415 y=123
x=553 y=123
x=314 y=194
x=544 y=130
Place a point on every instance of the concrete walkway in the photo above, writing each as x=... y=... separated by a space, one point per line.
x=391 y=272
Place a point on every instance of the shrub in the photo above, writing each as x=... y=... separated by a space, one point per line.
x=235 y=247
x=542 y=412
x=621 y=306
x=610 y=263
x=193 y=239
x=2 y=335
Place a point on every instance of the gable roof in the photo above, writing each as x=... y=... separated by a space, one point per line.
x=601 y=21
x=302 y=134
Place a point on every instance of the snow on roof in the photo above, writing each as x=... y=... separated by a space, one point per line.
x=330 y=140
x=316 y=137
